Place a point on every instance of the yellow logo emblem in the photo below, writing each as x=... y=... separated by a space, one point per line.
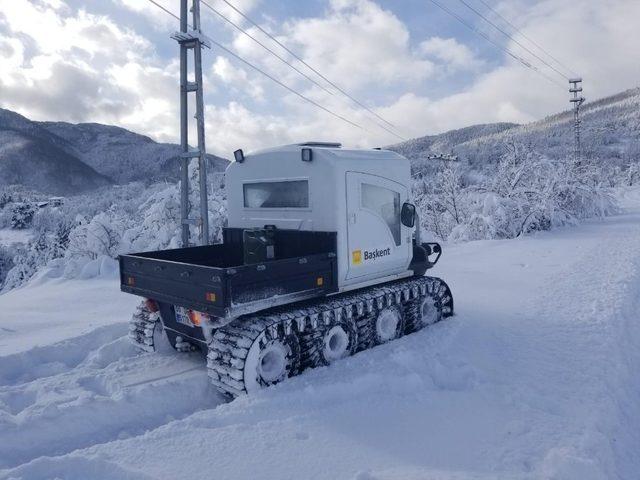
x=356 y=257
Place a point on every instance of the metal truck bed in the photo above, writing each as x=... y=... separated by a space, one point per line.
x=214 y=279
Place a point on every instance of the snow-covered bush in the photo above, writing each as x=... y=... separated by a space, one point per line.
x=5 y=199
x=22 y=215
x=5 y=216
x=633 y=174
x=159 y=225
x=89 y=231
x=27 y=260
x=6 y=263
x=444 y=202
x=98 y=236
x=46 y=219
x=527 y=192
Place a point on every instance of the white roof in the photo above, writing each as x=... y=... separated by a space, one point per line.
x=331 y=148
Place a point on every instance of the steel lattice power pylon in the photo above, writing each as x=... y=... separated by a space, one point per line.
x=577 y=100
x=191 y=39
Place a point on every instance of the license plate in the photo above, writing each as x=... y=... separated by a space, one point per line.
x=182 y=316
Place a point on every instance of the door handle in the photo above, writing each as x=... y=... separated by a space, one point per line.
x=352 y=217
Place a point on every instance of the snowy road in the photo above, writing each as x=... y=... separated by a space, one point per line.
x=535 y=377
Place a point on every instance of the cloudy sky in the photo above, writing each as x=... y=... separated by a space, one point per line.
x=112 y=61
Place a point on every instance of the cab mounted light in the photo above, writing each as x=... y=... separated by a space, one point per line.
x=239 y=155
x=307 y=154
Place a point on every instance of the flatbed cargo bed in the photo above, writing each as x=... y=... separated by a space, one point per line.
x=215 y=280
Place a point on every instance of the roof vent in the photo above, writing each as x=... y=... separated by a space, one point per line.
x=321 y=144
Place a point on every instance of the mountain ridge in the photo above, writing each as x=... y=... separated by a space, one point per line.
x=32 y=157
x=65 y=159
x=610 y=132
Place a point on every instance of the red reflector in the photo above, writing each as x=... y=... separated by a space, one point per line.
x=151 y=305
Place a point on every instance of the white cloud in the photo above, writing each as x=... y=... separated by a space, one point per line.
x=158 y=18
x=82 y=67
x=237 y=78
x=163 y=21
x=357 y=44
x=245 y=6
x=599 y=38
x=453 y=56
x=57 y=64
x=234 y=126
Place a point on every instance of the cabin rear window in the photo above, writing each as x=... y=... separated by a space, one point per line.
x=288 y=194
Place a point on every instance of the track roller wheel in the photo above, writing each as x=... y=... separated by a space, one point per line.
x=338 y=341
x=146 y=331
x=434 y=303
x=389 y=324
x=272 y=357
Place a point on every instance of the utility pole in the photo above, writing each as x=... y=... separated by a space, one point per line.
x=575 y=89
x=192 y=40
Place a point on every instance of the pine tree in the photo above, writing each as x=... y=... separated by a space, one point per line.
x=5 y=199
x=60 y=242
x=22 y=216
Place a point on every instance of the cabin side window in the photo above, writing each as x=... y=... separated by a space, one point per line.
x=386 y=204
x=285 y=194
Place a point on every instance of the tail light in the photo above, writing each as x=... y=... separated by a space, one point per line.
x=151 y=305
x=198 y=318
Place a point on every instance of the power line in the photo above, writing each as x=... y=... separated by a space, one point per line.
x=517 y=30
x=249 y=64
x=228 y=20
x=165 y=10
x=258 y=69
x=497 y=45
x=284 y=60
x=354 y=100
x=508 y=35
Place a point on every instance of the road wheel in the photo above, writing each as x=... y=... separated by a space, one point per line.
x=146 y=331
x=272 y=357
x=389 y=324
x=338 y=341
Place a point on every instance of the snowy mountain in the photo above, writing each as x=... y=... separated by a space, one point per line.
x=33 y=157
x=445 y=143
x=610 y=133
x=64 y=158
x=122 y=155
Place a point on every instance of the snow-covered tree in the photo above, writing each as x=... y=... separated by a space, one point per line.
x=99 y=236
x=22 y=215
x=5 y=199
x=6 y=263
x=633 y=174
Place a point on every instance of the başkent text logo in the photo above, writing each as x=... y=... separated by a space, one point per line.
x=377 y=253
x=357 y=256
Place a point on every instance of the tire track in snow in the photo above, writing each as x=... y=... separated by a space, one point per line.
x=580 y=354
x=49 y=360
x=108 y=393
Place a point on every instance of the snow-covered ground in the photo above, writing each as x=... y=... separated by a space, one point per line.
x=535 y=377
x=10 y=237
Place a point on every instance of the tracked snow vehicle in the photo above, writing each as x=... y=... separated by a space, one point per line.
x=321 y=258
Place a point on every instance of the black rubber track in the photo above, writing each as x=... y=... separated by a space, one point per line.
x=306 y=322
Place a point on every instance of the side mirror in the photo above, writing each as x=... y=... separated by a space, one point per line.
x=408 y=215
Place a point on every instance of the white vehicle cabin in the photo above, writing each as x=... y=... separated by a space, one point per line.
x=322 y=187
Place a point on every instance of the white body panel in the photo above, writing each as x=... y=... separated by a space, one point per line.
x=335 y=204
